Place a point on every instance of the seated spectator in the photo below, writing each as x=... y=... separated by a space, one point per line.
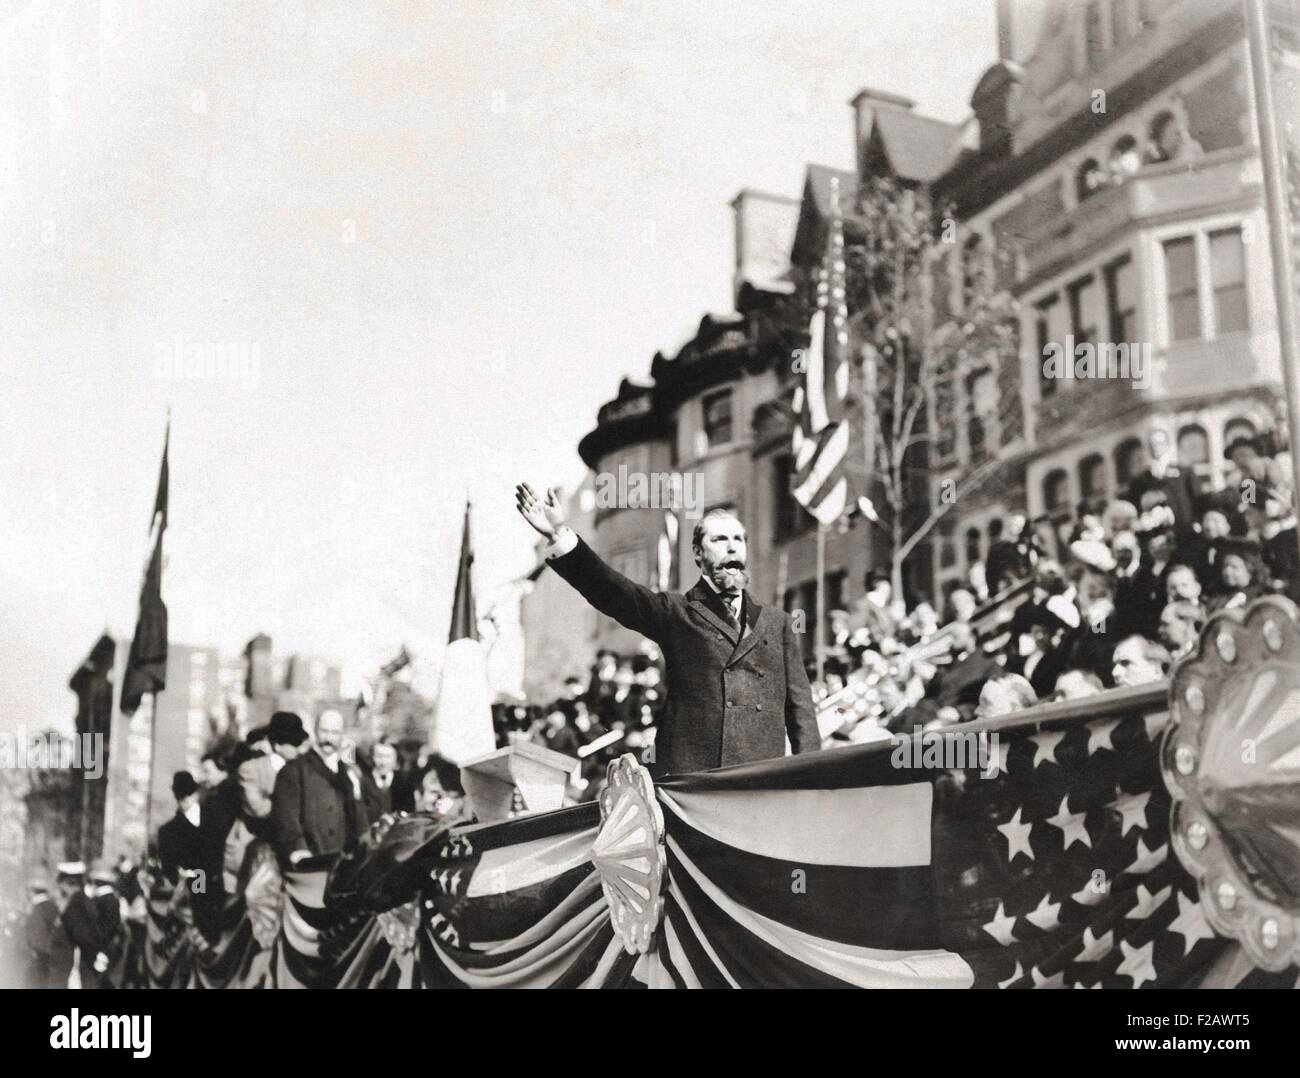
x=1256 y=476
x=558 y=735
x=1164 y=476
x=1239 y=576
x=1281 y=555
x=1010 y=559
x=1139 y=661
x=961 y=605
x=439 y=798
x=1037 y=657
x=1119 y=516
x=1149 y=581
x=1182 y=586
x=875 y=610
x=1004 y=695
x=958 y=685
x=1076 y=685
x=1180 y=627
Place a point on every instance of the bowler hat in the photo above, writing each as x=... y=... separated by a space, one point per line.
x=183 y=785
x=286 y=728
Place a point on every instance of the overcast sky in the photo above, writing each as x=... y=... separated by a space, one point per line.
x=442 y=231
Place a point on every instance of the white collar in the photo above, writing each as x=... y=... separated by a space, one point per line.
x=192 y=814
x=730 y=601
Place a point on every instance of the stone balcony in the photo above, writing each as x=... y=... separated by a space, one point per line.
x=1182 y=372
x=1155 y=194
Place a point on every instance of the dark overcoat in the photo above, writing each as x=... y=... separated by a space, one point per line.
x=733 y=698
x=314 y=808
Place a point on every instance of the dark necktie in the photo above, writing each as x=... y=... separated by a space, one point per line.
x=727 y=601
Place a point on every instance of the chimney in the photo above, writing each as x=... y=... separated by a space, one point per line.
x=764 y=228
x=993 y=103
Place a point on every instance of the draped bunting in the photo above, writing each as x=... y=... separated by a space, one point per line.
x=1046 y=862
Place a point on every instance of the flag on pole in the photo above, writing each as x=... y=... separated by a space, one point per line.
x=462 y=724
x=821 y=436
x=146 y=668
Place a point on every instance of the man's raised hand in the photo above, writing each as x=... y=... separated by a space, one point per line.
x=545 y=515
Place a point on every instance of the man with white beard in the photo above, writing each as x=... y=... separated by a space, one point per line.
x=736 y=685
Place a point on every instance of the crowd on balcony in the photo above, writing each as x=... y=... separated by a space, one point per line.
x=1124 y=593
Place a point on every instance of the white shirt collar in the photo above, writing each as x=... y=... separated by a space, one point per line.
x=192 y=814
x=331 y=761
x=734 y=603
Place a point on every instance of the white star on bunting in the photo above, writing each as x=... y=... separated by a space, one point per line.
x=1000 y=927
x=1046 y=915
x=1147 y=859
x=1017 y=836
x=1147 y=903
x=1045 y=746
x=1071 y=825
x=1096 y=947
x=1099 y=735
x=1133 y=811
x=1088 y=895
x=1137 y=963
x=997 y=760
x=1190 y=922
x=1056 y=980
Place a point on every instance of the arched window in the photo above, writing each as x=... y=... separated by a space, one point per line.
x=1090 y=179
x=1125 y=159
x=1092 y=483
x=1056 y=495
x=1239 y=427
x=972 y=545
x=1128 y=461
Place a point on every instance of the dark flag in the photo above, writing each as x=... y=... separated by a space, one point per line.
x=462 y=722
x=464 y=626
x=146 y=668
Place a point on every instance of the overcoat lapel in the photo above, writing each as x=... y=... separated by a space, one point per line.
x=753 y=617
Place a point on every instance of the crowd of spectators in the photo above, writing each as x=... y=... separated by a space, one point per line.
x=1063 y=611
x=614 y=710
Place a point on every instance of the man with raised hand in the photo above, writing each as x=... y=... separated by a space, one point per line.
x=736 y=684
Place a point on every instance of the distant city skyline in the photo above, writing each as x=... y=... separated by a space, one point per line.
x=416 y=247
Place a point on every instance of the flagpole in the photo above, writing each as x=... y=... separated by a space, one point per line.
x=1279 y=231
x=820 y=638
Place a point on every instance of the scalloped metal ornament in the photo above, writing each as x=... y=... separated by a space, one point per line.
x=628 y=854
x=1231 y=760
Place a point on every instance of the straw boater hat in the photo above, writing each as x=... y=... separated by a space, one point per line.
x=102 y=872
x=71 y=870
